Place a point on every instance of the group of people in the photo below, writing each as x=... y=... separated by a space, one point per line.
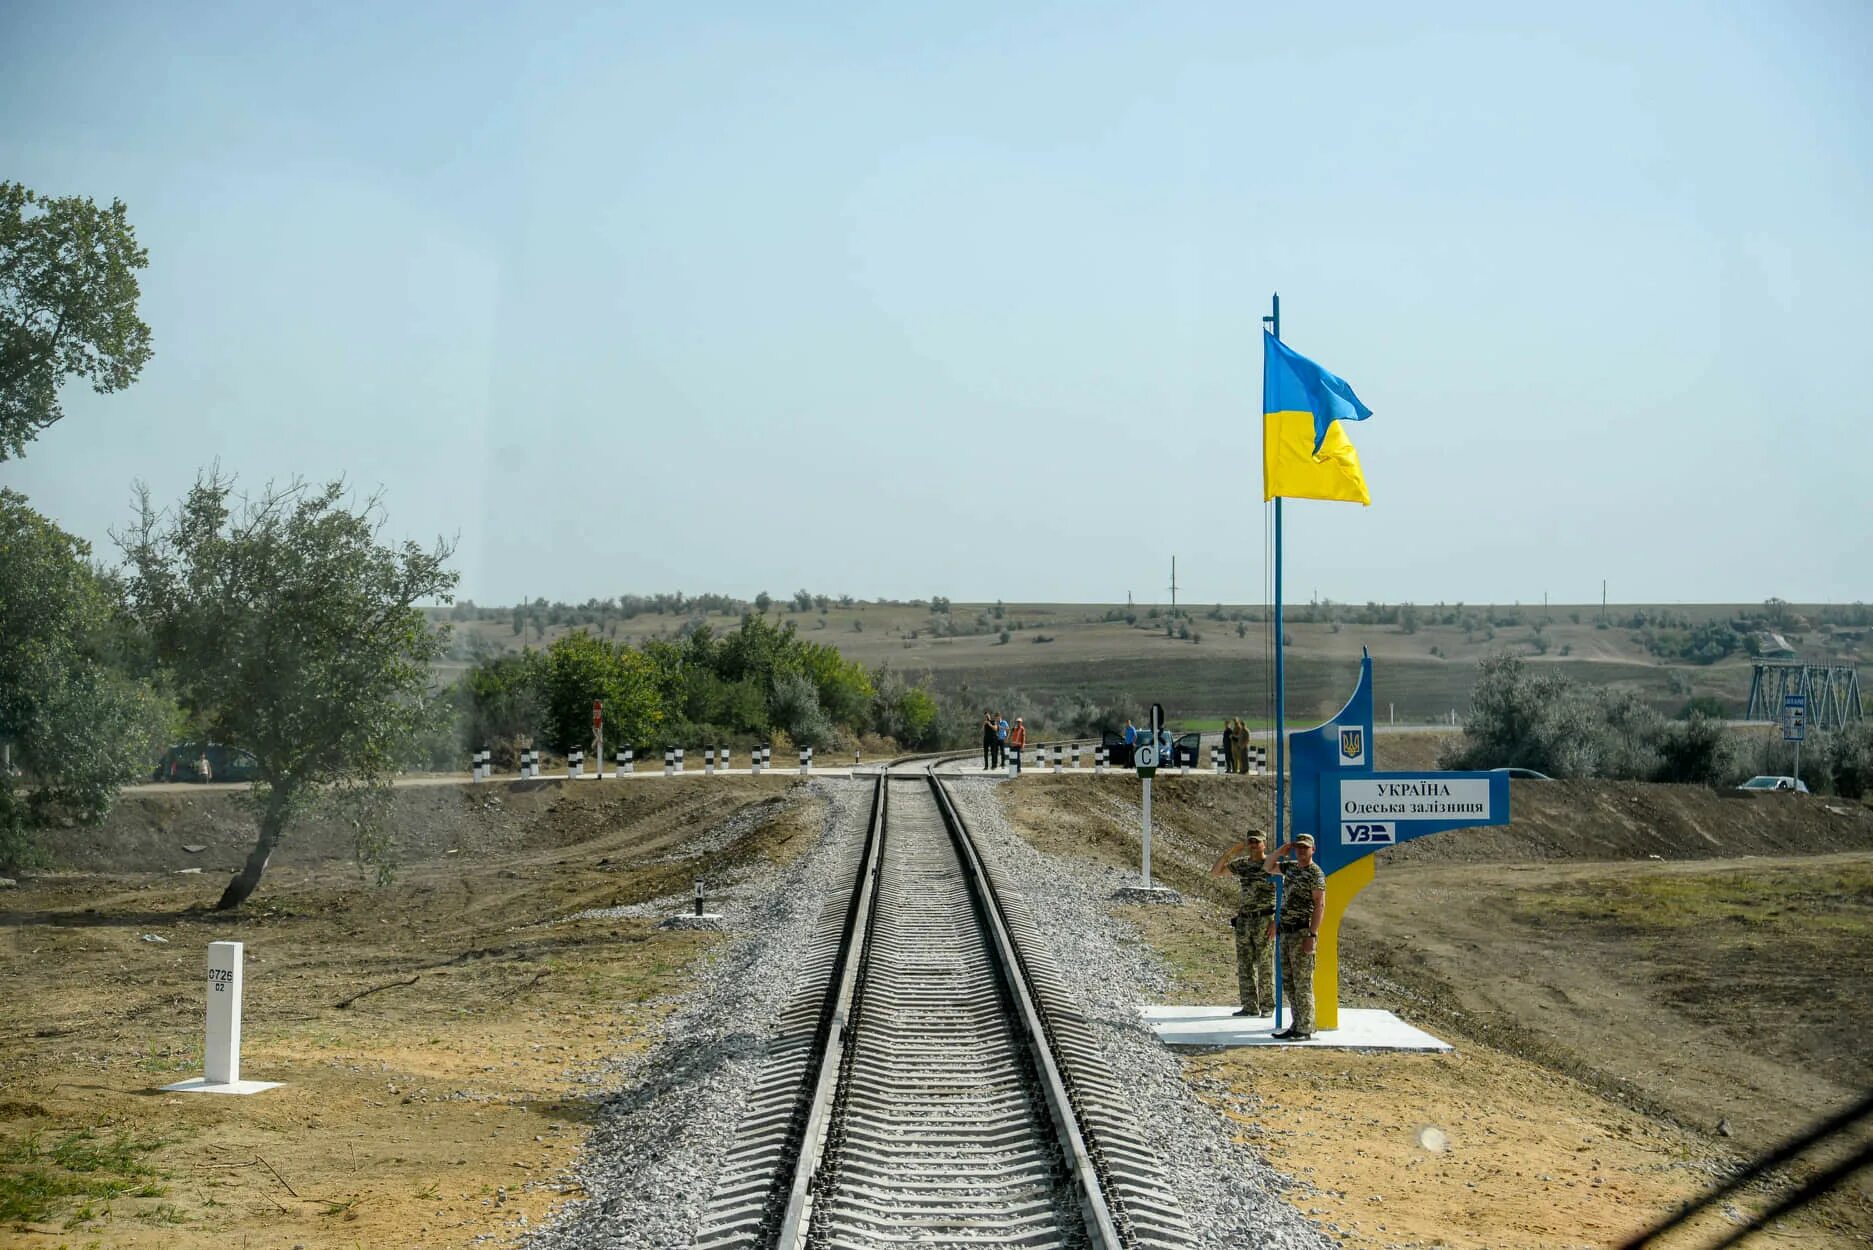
x=1236 y=745
x=998 y=737
x=1303 y=907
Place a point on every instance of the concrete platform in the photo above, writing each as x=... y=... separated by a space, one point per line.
x=1361 y=1028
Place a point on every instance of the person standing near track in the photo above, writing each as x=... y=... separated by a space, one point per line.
x=1001 y=740
x=1302 y=909
x=1018 y=738
x=1254 y=923
x=990 y=741
x=1229 y=746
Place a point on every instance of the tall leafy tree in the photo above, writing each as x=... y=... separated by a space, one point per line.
x=76 y=725
x=581 y=668
x=68 y=306
x=289 y=629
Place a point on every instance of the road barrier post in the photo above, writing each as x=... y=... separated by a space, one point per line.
x=708 y=761
x=721 y=757
x=679 y=759
x=806 y=760
x=623 y=762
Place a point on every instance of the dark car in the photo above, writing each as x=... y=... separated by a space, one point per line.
x=225 y=763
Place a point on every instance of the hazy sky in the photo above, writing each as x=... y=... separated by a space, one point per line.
x=965 y=299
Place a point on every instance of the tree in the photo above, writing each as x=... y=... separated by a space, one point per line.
x=76 y=726
x=68 y=306
x=289 y=630
x=503 y=701
x=762 y=602
x=581 y=668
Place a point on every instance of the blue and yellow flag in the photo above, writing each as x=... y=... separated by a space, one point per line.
x=1305 y=452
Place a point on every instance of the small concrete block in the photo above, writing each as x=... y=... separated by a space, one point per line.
x=1159 y=894
x=1361 y=1028
x=202 y=1085
x=710 y=920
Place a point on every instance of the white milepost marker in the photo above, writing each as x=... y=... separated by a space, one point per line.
x=221 y=1053
x=1144 y=872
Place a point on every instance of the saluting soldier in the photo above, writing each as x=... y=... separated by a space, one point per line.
x=1303 y=905
x=1254 y=923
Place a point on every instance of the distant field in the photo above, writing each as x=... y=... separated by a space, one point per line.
x=1422 y=671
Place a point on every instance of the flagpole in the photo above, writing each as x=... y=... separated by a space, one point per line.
x=1281 y=703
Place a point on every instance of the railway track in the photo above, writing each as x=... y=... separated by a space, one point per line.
x=933 y=1083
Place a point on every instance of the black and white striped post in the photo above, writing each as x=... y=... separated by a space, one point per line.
x=575 y=764
x=623 y=761
x=767 y=755
x=721 y=758
x=806 y=760
x=528 y=762
x=669 y=760
x=1076 y=757
x=1056 y=754
x=1216 y=759
x=754 y=760
x=708 y=761
x=481 y=760
x=1014 y=761
x=1258 y=760
x=679 y=759
x=1099 y=759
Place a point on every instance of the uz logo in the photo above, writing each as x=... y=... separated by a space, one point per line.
x=1371 y=833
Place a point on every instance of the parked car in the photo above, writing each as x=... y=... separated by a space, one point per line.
x=1794 y=785
x=1523 y=774
x=225 y=763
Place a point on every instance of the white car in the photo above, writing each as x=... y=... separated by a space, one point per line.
x=1795 y=784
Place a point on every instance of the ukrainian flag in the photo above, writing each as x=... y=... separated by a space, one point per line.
x=1305 y=451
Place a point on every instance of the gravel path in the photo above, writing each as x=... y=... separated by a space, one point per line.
x=669 y=1114
x=1230 y=1195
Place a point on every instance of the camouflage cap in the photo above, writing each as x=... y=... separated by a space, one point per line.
x=1306 y=839
x=1254 y=835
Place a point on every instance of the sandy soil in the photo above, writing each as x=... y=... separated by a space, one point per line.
x=433 y=1035
x=1598 y=1046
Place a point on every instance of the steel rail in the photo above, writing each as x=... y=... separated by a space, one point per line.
x=836 y=1031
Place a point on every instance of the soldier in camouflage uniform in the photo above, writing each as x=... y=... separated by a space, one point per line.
x=1303 y=905
x=1254 y=923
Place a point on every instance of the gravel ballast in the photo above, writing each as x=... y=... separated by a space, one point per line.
x=670 y=1115
x=1231 y=1196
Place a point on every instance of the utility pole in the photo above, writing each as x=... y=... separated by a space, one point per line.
x=1173 y=585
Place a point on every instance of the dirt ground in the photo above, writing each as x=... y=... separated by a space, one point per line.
x=1592 y=993
x=435 y=1037
x=1607 y=1013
